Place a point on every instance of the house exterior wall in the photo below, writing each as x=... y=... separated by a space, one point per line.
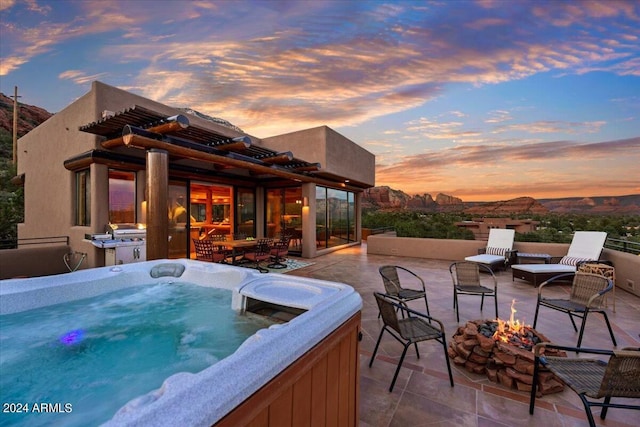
x=336 y=154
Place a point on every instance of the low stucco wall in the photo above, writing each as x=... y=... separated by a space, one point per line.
x=627 y=265
x=33 y=261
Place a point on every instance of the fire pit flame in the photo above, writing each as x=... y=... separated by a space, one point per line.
x=513 y=331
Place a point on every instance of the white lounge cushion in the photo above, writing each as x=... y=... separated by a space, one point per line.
x=501 y=238
x=587 y=244
x=545 y=268
x=485 y=259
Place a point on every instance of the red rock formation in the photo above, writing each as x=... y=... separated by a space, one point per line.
x=29 y=116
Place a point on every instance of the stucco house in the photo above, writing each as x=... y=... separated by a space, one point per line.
x=113 y=157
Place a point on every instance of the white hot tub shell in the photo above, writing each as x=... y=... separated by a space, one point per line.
x=218 y=389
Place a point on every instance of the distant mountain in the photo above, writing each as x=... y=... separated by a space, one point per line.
x=386 y=198
x=606 y=205
x=29 y=116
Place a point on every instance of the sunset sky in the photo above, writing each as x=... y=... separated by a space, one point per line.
x=483 y=100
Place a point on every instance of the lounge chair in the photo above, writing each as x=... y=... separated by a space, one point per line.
x=585 y=246
x=499 y=250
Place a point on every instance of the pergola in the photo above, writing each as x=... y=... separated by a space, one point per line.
x=172 y=143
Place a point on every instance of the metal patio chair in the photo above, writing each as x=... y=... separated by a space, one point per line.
x=391 y=279
x=587 y=295
x=466 y=281
x=592 y=378
x=412 y=328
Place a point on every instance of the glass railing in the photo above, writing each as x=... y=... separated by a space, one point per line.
x=623 y=246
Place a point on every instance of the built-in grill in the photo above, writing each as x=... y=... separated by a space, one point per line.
x=123 y=243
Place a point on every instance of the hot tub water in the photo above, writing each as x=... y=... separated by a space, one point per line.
x=82 y=352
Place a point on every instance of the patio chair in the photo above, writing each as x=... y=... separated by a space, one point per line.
x=587 y=295
x=279 y=251
x=466 y=281
x=259 y=253
x=585 y=246
x=593 y=378
x=499 y=251
x=393 y=287
x=412 y=328
x=206 y=250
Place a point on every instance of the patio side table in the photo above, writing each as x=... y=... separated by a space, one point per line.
x=531 y=258
x=605 y=270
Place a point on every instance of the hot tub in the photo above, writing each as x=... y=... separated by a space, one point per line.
x=312 y=349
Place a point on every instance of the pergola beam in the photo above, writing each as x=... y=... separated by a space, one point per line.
x=133 y=140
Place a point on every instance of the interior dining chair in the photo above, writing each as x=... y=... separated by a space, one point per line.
x=206 y=250
x=259 y=253
x=279 y=250
x=466 y=281
x=391 y=279
x=412 y=328
x=586 y=296
x=591 y=377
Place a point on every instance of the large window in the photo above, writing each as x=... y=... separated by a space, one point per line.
x=122 y=196
x=335 y=217
x=83 y=198
x=284 y=211
x=246 y=212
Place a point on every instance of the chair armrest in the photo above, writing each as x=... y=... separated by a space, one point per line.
x=555 y=259
x=413 y=313
x=599 y=294
x=537 y=349
x=553 y=279
x=414 y=275
x=511 y=256
x=482 y=251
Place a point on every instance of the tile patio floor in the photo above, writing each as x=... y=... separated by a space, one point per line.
x=422 y=395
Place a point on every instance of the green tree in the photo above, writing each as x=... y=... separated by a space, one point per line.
x=11 y=204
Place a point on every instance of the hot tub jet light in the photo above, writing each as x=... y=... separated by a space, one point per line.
x=72 y=337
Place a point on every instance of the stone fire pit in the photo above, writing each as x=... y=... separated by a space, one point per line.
x=509 y=363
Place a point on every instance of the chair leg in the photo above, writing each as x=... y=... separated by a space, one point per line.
x=481 y=302
x=606 y=319
x=446 y=357
x=603 y=412
x=375 y=350
x=426 y=303
x=535 y=316
x=587 y=409
x=532 y=396
x=455 y=305
x=584 y=322
x=395 y=376
x=572 y=321
x=495 y=298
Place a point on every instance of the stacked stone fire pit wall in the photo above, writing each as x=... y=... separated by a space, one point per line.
x=503 y=363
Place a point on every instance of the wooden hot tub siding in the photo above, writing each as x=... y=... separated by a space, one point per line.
x=319 y=389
